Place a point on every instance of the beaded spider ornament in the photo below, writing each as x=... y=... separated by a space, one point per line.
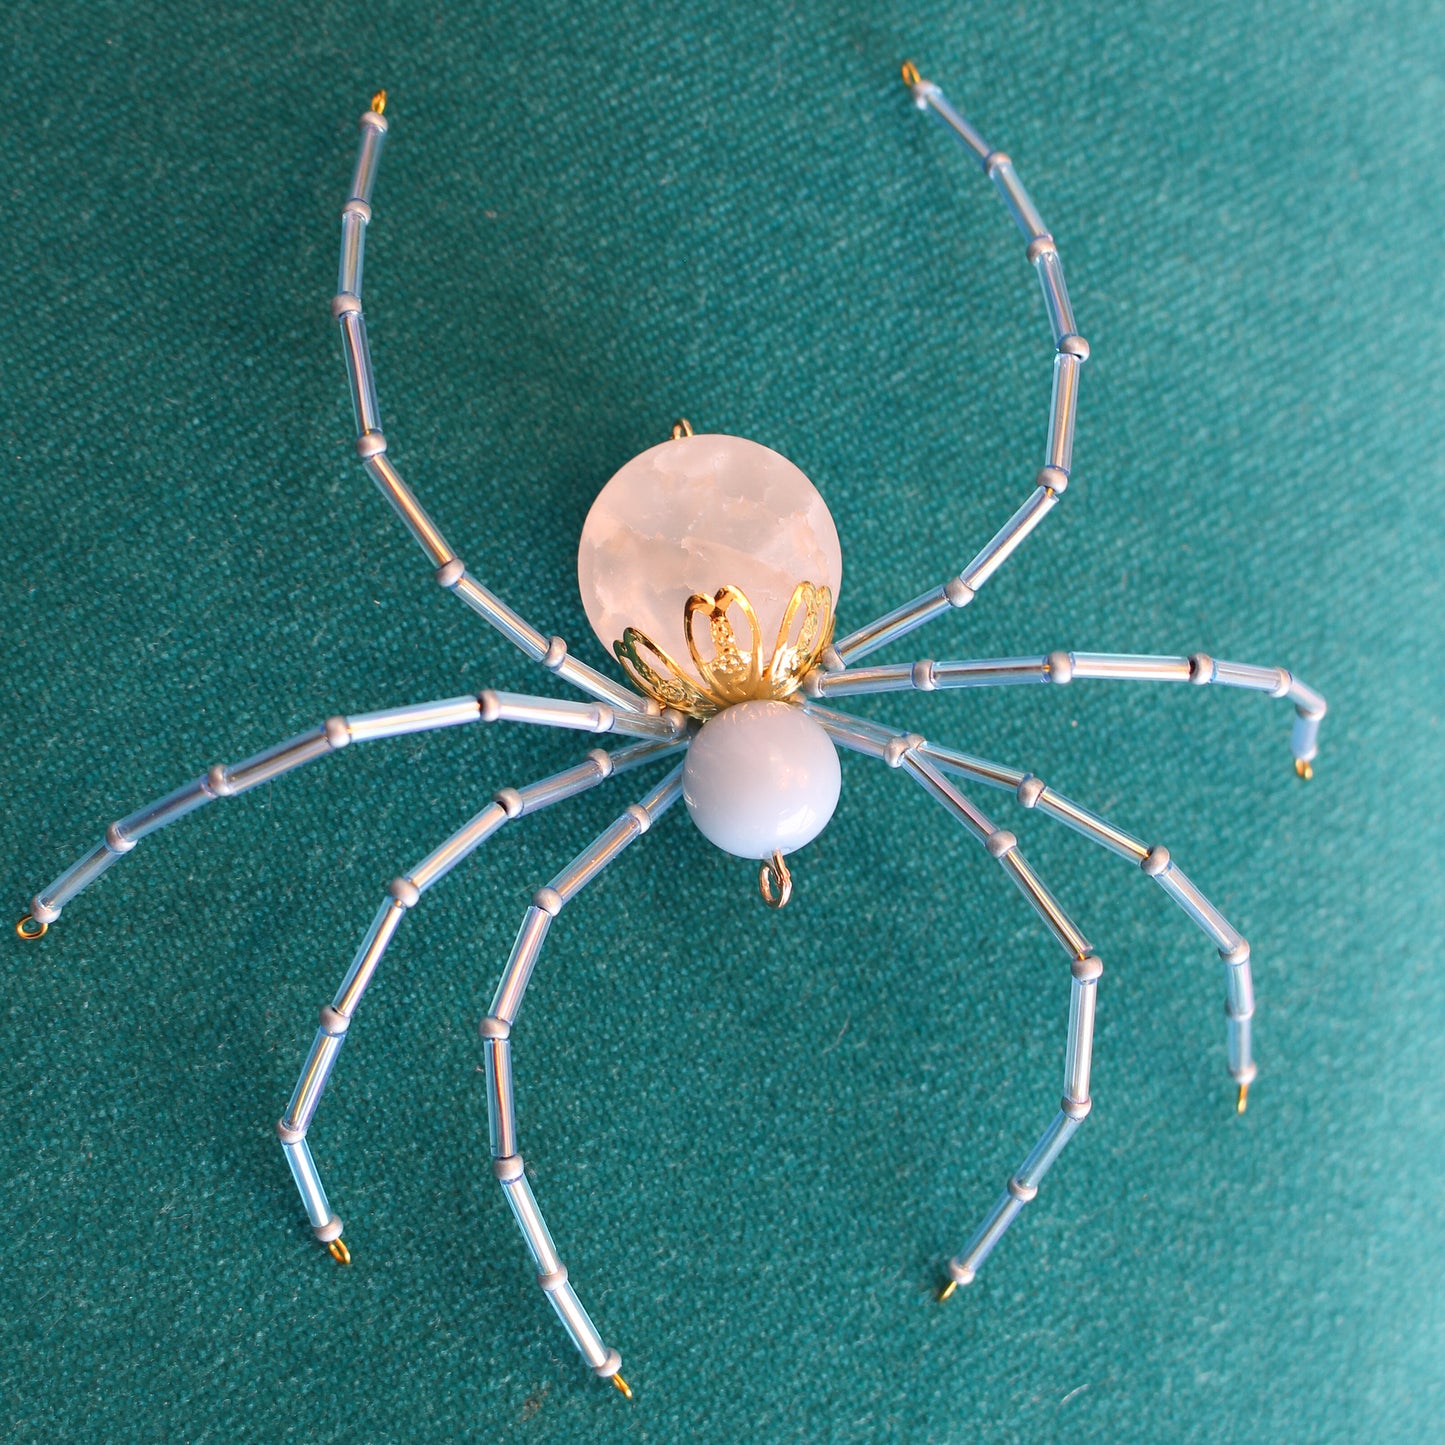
x=710 y=567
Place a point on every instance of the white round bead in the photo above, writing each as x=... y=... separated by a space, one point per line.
x=693 y=515
x=761 y=777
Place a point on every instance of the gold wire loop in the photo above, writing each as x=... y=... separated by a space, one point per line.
x=338 y=1251
x=682 y=427
x=378 y=102
x=23 y=928
x=911 y=77
x=774 y=870
x=623 y=1386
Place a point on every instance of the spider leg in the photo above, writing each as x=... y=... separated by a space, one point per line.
x=1065 y=667
x=551 y=652
x=496 y=1031
x=907 y=751
x=404 y=893
x=1155 y=862
x=1070 y=353
x=224 y=781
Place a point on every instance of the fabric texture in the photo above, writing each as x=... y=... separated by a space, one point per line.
x=756 y=1136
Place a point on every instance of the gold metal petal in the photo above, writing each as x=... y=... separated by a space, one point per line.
x=671 y=687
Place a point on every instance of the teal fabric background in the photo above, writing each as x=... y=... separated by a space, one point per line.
x=757 y=1137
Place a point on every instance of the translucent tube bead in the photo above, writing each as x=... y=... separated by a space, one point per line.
x=493 y=610
x=419 y=717
x=461 y=845
x=315 y=1074
x=1020 y=205
x=46 y=904
x=1009 y=537
x=579 y=1326
x=938 y=103
x=1079 y=1055
x=529 y=1218
x=1062 y=412
x=1182 y=890
x=518 y=973
x=1056 y=294
x=368 y=157
x=1005 y=1210
x=353 y=250
x=989 y=672
x=404 y=503
x=265 y=766
x=357 y=352
x=308 y=1183
x=1044 y=903
x=1051 y=1144
x=501 y=1106
x=892 y=625
x=1123 y=667
x=154 y=816
x=363 y=965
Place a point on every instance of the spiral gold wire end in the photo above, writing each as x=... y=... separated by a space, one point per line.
x=910 y=74
x=623 y=1387
x=29 y=927
x=947 y=1290
x=1303 y=769
x=338 y=1251
x=682 y=427
x=1241 y=1102
x=774 y=871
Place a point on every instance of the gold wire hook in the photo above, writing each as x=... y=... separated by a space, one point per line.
x=774 y=870
x=378 y=102
x=682 y=427
x=1303 y=769
x=338 y=1251
x=911 y=77
x=623 y=1386
x=25 y=931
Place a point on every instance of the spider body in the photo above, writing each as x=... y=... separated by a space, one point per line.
x=711 y=568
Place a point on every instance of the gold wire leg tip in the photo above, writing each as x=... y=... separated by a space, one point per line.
x=30 y=927
x=947 y=1290
x=910 y=73
x=338 y=1251
x=1241 y=1103
x=1303 y=769
x=378 y=102
x=623 y=1386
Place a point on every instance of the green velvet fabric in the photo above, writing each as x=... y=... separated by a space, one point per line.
x=757 y=1137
